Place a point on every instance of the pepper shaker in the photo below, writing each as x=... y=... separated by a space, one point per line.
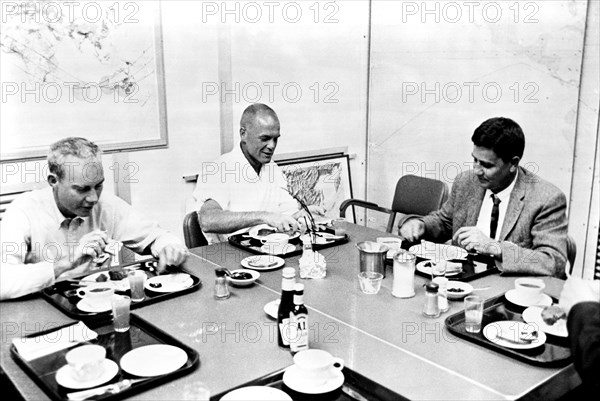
x=431 y=307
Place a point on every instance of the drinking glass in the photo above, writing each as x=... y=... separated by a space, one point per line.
x=120 y=309
x=370 y=282
x=136 y=284
x=473 y=313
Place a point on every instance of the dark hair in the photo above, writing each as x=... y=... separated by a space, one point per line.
x=502 y=135
x=73 y=146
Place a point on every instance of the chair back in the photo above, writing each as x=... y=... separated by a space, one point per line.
x=193 y=235
x=571 y=253
x=418 y=195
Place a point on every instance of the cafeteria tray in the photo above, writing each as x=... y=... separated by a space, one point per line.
x=63 y=297
x=356 y=387
x=141 y=333
x=554 y=353
x=252 y=245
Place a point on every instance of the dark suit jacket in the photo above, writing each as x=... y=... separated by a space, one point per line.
x=534 y=233
x=583 y=324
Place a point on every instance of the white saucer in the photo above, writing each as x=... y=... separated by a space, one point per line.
x=512 y=297
x=84 y=306
x=533 y=315
x=169 y=282
x=153 y=360
x=244 y=282
x=271 y=308
x=292 y=380
x=271 y=250
x=262 y=262
x=258 y=393
x=65 y=376
x=465 y=289
x=511 y=329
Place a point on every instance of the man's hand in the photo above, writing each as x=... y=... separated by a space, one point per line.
x=578 y=290
x=171 y=255
x=412 y=230
x=91 y=244
x=281 y=222
x=473 y=239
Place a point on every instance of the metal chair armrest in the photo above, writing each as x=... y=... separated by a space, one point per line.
x=367 y=205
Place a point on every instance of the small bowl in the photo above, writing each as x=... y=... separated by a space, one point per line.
x=243 y=282
x=458 y=289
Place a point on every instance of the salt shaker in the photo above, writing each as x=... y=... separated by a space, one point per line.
x=221 y=286
x=404 y=274
x=442 y=282
x=431 y=307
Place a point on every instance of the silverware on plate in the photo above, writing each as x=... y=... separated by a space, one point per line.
x=109 y=388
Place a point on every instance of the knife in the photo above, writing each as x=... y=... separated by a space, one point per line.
x=109 y=388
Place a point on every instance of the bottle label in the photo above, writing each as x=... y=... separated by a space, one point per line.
x=298 y=332
x=284 y=330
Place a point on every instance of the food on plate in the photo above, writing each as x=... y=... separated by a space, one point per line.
x=261 y=263
x=102 y=278
x=552 y=314
x=266 y=231
x=155 y=285
x=117 y=275
x=241 y=275
x=455 y=289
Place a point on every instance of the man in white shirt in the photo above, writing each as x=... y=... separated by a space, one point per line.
x=500 y=208
x=55 y=233
x=244 y=188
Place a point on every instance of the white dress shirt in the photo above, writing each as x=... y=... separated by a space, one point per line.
x=485 y=213
x=35 y=235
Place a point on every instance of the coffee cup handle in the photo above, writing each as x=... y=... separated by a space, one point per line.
x=338 y=363
x=81 y=293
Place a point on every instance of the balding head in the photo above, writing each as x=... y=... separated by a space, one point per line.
x=259 y=132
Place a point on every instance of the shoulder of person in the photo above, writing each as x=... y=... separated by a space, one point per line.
x=538 y=184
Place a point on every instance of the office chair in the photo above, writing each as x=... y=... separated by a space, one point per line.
x=414 y=195
x=191 y=231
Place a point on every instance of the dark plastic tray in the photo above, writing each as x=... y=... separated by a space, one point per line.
x=60 y=294
x=554 y=353
x=43 y=370
x=356 y=387
x=252 y=245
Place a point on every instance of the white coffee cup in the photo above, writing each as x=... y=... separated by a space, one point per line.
x=86 y=362
x=97 y=295
x=276 y=239
x=316 y=366
x=529 y=290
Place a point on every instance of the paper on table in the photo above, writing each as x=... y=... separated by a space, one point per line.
x=35 y=347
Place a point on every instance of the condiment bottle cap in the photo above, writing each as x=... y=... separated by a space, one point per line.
x=431 y=287
x=289 y=272
x=298 y=287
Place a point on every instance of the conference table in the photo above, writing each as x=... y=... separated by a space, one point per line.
x=383 y=338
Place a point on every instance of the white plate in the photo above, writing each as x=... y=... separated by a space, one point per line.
x=153 y=360
x=512 y=330
x=423 y=267
x=533 y=314
x=169 y=282
x=465 y=287
x=271 y=308
x=256 y=393
x=513 y=297
x=262 y=262
x=65 y=376
x=244 y=282
x=438 y=252
x=253 y=233
x=292 y=379
x=84 y=306
x=119 y=285
x=271 y=250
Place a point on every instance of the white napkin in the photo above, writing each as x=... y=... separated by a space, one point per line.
x=35 y=347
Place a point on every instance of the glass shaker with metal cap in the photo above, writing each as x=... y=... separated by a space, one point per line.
x=431 y=307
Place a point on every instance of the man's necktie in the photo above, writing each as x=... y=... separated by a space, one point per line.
x=495 y=215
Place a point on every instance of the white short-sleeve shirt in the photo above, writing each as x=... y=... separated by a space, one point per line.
x=232 y=182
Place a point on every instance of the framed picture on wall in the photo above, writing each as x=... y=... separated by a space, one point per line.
x=90 y=69
x=323 y=181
